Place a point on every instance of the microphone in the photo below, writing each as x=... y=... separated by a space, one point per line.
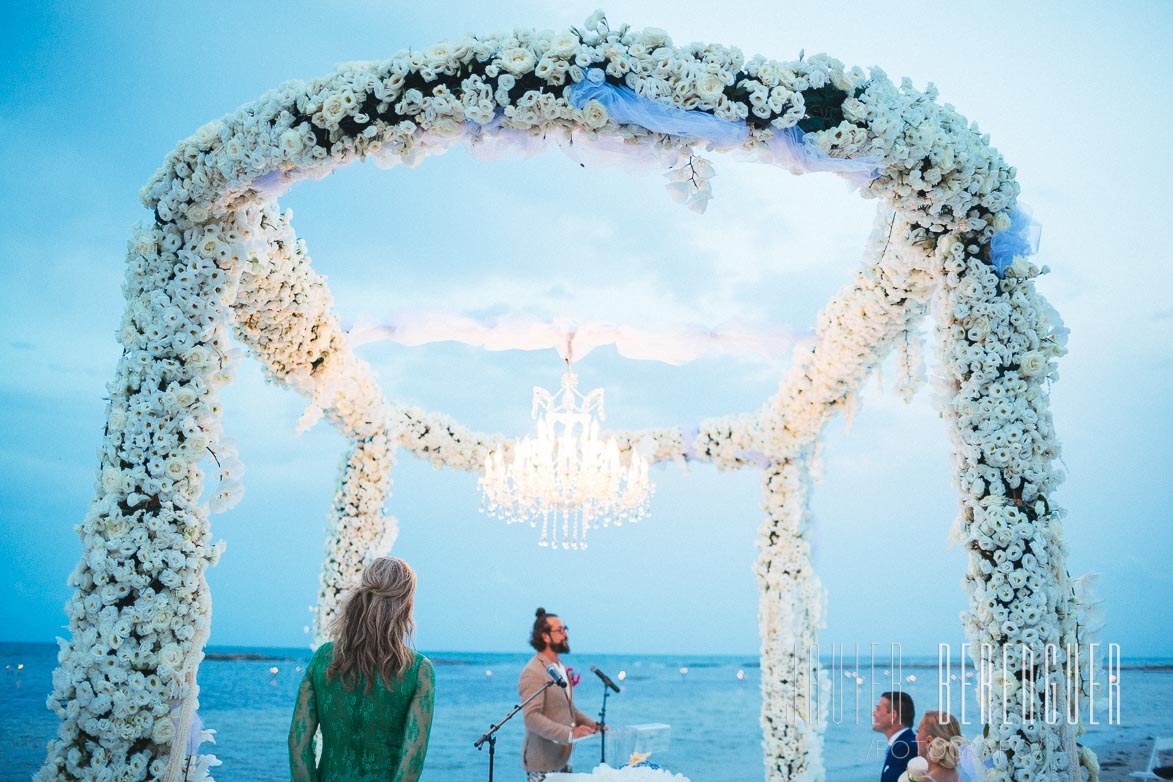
x=606 y=679
x=557 y=677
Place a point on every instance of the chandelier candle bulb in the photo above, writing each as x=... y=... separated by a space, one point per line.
x=566 y=471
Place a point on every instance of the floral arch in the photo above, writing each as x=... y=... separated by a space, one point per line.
x=220 y=255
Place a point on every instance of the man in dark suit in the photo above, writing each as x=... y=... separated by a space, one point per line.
x=893 y=717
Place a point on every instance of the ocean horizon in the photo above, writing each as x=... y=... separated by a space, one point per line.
x=710 y=702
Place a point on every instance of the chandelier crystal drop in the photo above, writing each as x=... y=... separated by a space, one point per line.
x=564 y=476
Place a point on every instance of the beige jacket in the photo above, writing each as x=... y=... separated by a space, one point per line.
x=549 y=719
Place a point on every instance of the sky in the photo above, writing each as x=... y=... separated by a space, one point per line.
x=1073 y=94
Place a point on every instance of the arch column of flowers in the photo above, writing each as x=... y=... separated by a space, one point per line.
x=884 y=300
x=141 y=609
x=790 y=612
x=283 y=314
x=998 y=344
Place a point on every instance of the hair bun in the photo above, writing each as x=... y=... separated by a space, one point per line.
x=540 y=612
x=943 y=752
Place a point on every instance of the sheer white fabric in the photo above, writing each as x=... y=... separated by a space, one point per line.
x=674 y=345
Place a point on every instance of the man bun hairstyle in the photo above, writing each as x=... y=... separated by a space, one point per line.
x=541 y=626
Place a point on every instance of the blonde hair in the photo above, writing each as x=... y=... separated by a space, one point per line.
x=945 y=738
x=373 y=628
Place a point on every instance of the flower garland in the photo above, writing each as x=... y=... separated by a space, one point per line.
x=997 y=351
x=141 y=608
x=441 y=441
x=358 y=531
x=309 y=353
x=855 y=332
x=220 y=251
x=790 y=611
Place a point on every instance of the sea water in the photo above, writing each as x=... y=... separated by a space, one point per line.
x=711 y=703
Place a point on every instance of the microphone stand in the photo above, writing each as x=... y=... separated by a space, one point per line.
x=603 y=727
x=490 y=735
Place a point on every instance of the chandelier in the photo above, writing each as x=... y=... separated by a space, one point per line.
x=564 y=476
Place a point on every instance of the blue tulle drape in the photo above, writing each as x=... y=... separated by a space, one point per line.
x=1020 y=239
x=626 y=107
x=792 y=149
x=789 y=147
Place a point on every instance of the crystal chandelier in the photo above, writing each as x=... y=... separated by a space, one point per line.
x=565 y=476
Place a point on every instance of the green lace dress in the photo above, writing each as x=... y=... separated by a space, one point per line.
x=377 y=735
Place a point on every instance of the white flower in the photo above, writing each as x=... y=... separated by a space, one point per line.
x=710 y=86
x=596 y=21
x=111 y=479
x=163 y=730
x=594 y=115
x=196 y=357
x=654 y=37
x=291 y=142
x=517 y=60
x=333 y=109
x=563 y=45
x=176 y=468
x=439 y=54
x=1032 y=363
x=185 y=397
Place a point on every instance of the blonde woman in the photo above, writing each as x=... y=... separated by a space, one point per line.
x=369 y=692
x=939 y=740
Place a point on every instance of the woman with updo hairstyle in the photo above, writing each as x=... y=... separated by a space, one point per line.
x=370 y=693
x=939 y=741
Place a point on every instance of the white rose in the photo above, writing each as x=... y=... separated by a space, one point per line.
x=208 y=133
x=517 y=60
x=116 y=526
x=163 y=731
x=710 y=86
x=198 y=213
x=594 y=115
x=197 y=443
x=197 y=356
x=111 y=479
x=1032 y=363
x=101 y=704
x=547 y=69
x=185 y=396
x=595 y=21
x=654 y=37
x=1024 y=268
x=439 y=53
x=334 y=108
x=176 y=469
x=291 y=142
x=563 y=45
